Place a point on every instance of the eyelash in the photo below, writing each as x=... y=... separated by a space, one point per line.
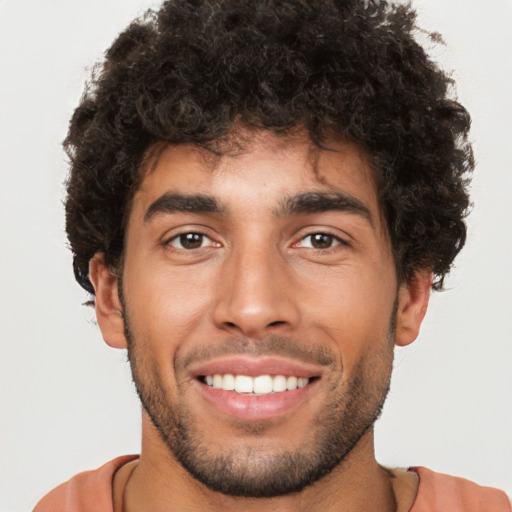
x=181 y=239
x=333 y=240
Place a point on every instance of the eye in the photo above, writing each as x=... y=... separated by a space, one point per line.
x=190 y=241
x=319 y=241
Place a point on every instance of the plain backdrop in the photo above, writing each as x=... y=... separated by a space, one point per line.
x=66 y=400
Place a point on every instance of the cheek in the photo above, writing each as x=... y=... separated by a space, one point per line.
x=354 y=310
x=166 y=306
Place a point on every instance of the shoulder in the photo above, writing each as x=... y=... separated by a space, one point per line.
x=453 y=494
x=90 y=491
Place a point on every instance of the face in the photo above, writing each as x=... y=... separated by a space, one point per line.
x=259 y=297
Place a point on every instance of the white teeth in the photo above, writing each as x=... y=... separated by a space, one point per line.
x=228 y=382
x=302 y=381
x=260 y=385
x=291 y=383
x=217 y=381
x=243 y=384
x=279 y=383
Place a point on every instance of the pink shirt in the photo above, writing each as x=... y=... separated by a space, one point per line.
x=92 y=492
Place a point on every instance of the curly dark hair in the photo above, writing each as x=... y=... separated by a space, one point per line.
x=196 y=69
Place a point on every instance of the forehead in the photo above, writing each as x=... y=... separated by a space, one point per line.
x=264 y=166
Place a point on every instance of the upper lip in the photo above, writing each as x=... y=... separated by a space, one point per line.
x=254 y=366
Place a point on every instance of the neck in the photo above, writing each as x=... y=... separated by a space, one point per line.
x=158 y=483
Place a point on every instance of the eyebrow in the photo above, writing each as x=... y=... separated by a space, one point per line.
x=318 y=202
x=175 y=203
x=308 y=202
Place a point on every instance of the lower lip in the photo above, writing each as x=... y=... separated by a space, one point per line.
x=252 y=407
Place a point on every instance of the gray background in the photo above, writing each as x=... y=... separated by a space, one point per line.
x=66 y=400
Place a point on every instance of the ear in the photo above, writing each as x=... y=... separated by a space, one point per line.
x=413 y=299
x=109 y=311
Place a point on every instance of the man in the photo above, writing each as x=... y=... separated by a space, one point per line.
x=262 y=195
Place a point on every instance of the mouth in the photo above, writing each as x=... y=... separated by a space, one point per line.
x=254 y=389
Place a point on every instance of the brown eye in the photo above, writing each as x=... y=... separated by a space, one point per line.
x=320 y=241
x=190 y=241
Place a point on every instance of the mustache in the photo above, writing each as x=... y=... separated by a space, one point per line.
x=269 y=346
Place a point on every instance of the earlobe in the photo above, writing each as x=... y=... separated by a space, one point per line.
x=109 y=311
x=413 y=297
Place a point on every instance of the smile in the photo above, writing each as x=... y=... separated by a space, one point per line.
x=256 y=388
x=258 y=385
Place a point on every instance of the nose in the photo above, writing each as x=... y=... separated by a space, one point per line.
x=255 y=295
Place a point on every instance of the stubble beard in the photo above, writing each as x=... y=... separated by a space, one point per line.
x=253 y=471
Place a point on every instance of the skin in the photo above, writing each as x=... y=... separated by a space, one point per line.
x=258 y=275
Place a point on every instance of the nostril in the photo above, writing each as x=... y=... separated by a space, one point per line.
x=276 y=323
